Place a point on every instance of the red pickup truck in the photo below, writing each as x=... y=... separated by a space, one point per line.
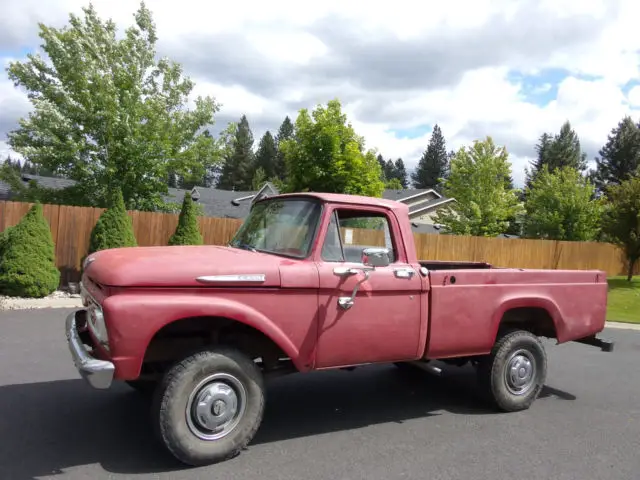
x=310 y=282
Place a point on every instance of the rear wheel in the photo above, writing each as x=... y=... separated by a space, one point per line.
x=513 y=374
x=209 y=406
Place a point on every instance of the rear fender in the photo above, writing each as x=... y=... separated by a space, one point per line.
x=134 y=319
x=530 y=302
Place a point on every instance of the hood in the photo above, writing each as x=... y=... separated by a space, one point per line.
x=180 y=266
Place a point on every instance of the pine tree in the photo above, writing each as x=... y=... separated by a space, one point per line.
x=114 y=228
x=187 y=232
x=389 y=170
x=433 y=164
x=620 y=157
x=285 y=132
x=237 y=171
x=383 y=166
x=562 y=150
x=401 y=173
x=27 y=258
x=266 y=156
x=13 y=164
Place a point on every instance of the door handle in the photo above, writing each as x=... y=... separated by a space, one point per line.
x=404 y=272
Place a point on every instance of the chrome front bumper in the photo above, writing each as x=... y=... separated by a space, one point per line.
x=98 y=373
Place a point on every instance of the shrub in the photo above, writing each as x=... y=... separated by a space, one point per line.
x=27 y=258
x=187 y=232
x=114 y=228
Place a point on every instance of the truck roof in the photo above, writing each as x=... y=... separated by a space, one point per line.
x=347 y=199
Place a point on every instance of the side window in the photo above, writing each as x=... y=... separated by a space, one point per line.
x=350 y=232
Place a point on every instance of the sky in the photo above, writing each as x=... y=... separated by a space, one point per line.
x=510 y=69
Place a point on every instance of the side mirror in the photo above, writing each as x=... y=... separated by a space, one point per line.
x=376 y=257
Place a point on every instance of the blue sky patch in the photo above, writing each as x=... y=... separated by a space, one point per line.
x=542 y=88
x=415 y=131
x=16 y=52
x=626 y=88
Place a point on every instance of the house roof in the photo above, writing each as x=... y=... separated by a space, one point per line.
x=218 y=203
x=46 y=182
x=392 y=194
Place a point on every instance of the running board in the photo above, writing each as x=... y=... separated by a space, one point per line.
x=427 y=367
x=594 y=341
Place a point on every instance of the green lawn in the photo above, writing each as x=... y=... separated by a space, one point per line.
x=624 y=300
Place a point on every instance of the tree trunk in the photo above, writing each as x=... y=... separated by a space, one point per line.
x=632 y=263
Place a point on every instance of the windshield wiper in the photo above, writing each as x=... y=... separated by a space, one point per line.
x=243 y=246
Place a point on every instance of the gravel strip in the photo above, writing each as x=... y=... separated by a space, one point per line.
x=58 y=299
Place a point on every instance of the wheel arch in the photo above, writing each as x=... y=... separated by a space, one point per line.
x=537 y=315
x=183 y=335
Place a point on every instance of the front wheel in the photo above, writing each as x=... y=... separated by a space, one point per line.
x=513 y=374
x=209 y=406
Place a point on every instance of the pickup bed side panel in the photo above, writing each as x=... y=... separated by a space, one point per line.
x=467 y=306
x=133 y=318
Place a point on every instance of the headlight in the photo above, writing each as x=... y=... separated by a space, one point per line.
x=97 y=325
x=87 y=261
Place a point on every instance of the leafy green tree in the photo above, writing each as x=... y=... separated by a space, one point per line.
x=188 y=231
x=433 y=164
x=561 y=150
x=477 y=182
x=237 y=170
x=27 y=258
x=114 y=228
x=267 y=156
x=106 y=113
x=393 y=184
x=560 y=205
x=326 y=155
x=620 y=156
x=621 y=222
x=259 y=178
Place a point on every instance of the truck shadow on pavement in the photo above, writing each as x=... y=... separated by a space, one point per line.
x=51 y=427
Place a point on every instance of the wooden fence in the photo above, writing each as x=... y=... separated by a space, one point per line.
x=71 y=229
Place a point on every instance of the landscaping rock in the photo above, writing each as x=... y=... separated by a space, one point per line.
x=58 y=299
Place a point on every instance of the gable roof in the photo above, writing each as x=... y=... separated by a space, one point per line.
x=236 y=204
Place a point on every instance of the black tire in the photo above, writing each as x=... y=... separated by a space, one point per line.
x=493 y=371
x=170 y=415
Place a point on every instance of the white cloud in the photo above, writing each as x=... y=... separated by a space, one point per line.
x=444 y=62
x=634 y=96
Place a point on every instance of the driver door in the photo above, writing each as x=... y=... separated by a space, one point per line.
x=383 y=325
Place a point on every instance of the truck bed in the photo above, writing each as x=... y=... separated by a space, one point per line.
x=468 y=301
x=444 y=265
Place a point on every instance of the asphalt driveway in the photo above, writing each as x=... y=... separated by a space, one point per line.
x=372 y=423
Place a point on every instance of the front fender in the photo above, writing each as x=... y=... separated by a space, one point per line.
x=133 y=320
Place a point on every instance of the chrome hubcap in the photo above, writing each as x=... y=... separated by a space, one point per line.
x=216 y=406
x=520 y=372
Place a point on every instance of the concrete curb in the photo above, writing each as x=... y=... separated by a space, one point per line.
x=623 y=326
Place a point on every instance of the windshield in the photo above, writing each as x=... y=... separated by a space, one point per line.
x=280 y=226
